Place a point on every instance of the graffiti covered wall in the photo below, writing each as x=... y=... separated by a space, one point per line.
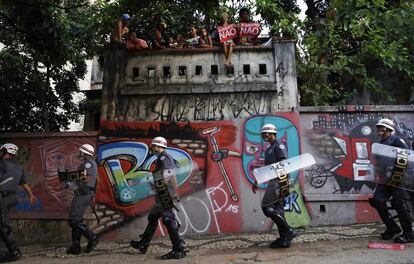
x=41 y=155
x=216 y=160
x=335 y=188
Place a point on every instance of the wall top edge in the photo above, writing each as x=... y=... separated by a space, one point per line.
x=48 y=134
x=357 y=108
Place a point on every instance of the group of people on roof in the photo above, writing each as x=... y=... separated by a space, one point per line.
x=226 y=35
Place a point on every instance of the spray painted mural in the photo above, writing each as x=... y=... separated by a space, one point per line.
x=341 y=143
x=215 y=161
x=41 y=155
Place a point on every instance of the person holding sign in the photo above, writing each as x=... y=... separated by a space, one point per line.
x=165 y=186
x=383 y=193
x=248 y=31
x=272 y=204
x=226 y=33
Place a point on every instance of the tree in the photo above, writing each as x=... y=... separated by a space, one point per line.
x=357 y=52
x=46 y=44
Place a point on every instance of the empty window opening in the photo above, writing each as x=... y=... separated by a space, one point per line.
x=214 y=69
x=198 y=70
x=135 y=73
x=182 y=70
x=151 y=72
x=262 y=69
x=246 y=68
x=166 y=71
x=230 y=70
x=322 y=208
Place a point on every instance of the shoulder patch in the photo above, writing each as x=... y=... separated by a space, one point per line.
x=162 y=157
x=88 y=165
x=402 y=140
x=281 y=146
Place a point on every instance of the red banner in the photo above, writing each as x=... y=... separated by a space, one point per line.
x=250 y=29
x=227 y=32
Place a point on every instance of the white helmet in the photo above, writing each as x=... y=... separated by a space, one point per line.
x=87 y=149
x=269 y=128
x=10 y=148
x=159 y=141
x=385 y=122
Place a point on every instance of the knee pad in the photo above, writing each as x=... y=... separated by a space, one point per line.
x=377 y=203
x=398 y=205
x=169 y=221
x=269 y=211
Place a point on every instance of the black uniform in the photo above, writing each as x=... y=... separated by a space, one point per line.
x=273 y=208
x=83 y=194
x=11 y=176
x=398 y=202
x=164 y=162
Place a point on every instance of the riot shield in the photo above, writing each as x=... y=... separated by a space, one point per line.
x=165 y=189
x=276 y=170
x=393 y=166
x=277 y=176
x=72 y=176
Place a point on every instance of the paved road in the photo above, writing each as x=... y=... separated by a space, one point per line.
x=340 y=244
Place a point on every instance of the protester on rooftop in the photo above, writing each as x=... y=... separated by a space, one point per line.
x=244 y=17
x=227 y=44
x=193 y=39
x=160 y=38
x=120 y=31
x=135 y=43
x=205 y=40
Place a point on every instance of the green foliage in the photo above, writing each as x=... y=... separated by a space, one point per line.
x=46 y=45
x=360 y=52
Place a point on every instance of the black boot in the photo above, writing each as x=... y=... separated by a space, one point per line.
x=141 y=245
x=75 y=249
x=390 y=232
x=405 y=238
x=175 y=254
x=11 y=256
x=284 y=241
x=91 y=244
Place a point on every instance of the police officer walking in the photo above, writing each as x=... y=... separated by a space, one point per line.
x=272 y=204
x=385 y=127
x=163 y=165
x=11 y=175
x=84 y=192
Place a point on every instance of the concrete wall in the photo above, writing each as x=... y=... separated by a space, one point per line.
x=147 y=94
x=330 y=192
x=340 y=139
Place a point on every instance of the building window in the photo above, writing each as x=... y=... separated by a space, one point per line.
x=135 y=73
x=214 y=69
x=262 y=69
x=198 y=70
x=246 y=68
x=166 y=71
x=151 y=72
x=182 y=70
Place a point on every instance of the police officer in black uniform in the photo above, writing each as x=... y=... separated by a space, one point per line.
x=84 y=192
x=11 y=175
x=164 y=162
x=385 y=127
x=272 y=204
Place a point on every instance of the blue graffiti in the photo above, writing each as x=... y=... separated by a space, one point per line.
x=254 y=146
x=23 y=203
x=290 y=203
x=134 y=185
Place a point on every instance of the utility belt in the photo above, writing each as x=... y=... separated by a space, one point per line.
x=84 y=190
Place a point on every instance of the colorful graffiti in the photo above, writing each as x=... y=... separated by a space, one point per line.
x=341 y=143
x=215 y=160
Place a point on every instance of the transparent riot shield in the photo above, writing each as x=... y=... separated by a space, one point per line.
x=277 y=176
x=393 y=166
x=165 y=189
